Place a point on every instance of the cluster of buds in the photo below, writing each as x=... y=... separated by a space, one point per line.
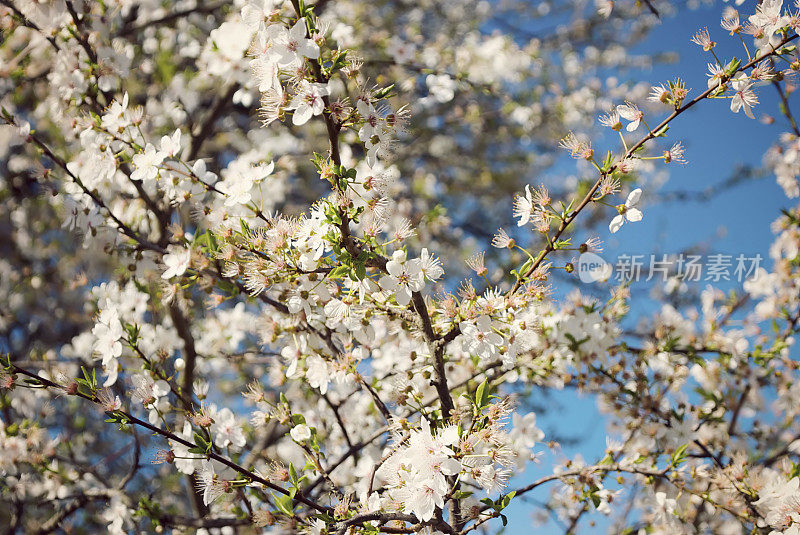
x=673 y=94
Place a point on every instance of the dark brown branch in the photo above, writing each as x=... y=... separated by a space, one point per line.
x=207 y=126
x=201 y=7
x=122 y=227
x=253 y=477
x=54 y=522
x=339 y=420
x=29 y=23
x=785 y=108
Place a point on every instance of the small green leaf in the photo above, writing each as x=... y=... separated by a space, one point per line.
x=679 y=455
x=482 y=394
x=284 y=503
x=339 y=272
x=383 y=93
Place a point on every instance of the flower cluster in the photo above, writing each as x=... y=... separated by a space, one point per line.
x=165 y=248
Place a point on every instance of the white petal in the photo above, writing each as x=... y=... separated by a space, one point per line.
x=301 y=115
x=388 y=283
x=633 y=214
x=451 y=467
x=616 y=223
x=625 y=112
x=449 y=435
x=298 y=31
x=310 y=49
x=394 y=267
x=403 y=296
x=633 y=197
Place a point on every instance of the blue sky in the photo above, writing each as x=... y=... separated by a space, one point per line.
x=732 y=222
x=716 y=140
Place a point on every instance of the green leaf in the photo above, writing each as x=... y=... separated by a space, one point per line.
x=461 y=494
x=202 y=443
x=525 y=267
x=679 y=455
x=384 y=92
x=298 y=419
x=339 y=272
x=795 y=471
x=659 y=133
x=284 y=503
x=360 y=270
x=608 y=161
x=482 y=394
x=91 y=381
x=732 y=66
